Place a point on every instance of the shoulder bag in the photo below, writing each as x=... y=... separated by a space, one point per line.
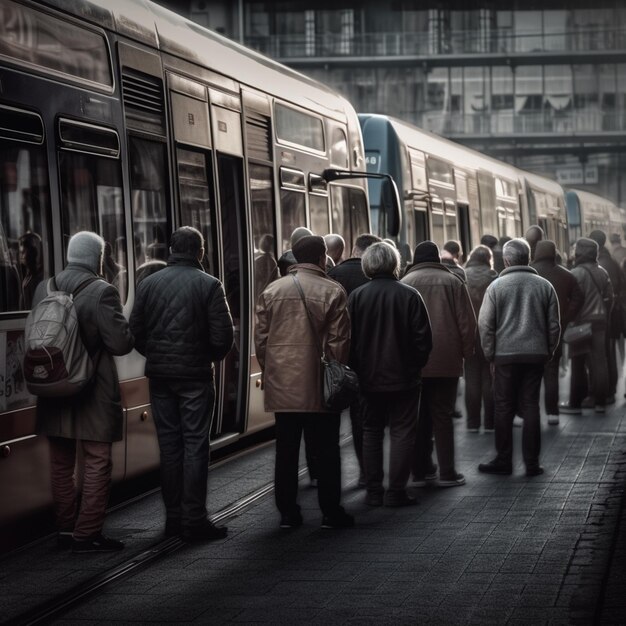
x=340 y=383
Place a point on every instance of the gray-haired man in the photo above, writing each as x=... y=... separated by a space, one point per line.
x=519 y=332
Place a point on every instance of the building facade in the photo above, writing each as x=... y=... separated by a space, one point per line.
x=543 y=87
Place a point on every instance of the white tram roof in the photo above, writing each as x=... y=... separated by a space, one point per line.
x=589 y=199
x=157 y=27
x=461 y=156
x=541 y=183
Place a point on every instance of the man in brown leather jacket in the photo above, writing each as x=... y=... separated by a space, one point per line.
x=288 y=354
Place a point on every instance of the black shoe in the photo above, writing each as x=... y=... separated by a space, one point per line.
x=496 y=467
x=65 y=539
x=534 y=470
x=403 y=499
x=173 y=528
x=98 y=543
x=374 y=499
x=291 y=520
x=206 y=531
x=341 y=520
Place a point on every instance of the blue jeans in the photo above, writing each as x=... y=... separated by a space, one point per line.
x=183 y=410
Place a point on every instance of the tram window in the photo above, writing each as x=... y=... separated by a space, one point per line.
x=151 y=227
x=358 y=213
x=195 y=204
x=91 y=199
x=318 y=207
x=438 y=232
x=25 y=235
x=421 y=225
x=263 y=226
x=451 y=227
x=349 y=211
x=37 y=38
x=299 y=128
x=339 y=149
x=292 y=214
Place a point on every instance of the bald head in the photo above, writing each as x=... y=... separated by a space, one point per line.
x=335 y=245
x=298 y=233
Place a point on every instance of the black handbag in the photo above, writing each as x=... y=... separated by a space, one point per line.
x=340 y=383
x=578 y=338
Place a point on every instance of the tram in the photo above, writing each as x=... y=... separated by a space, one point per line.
x=453 y=192
x=126 y=119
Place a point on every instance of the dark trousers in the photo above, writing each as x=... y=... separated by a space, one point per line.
x=356 y=421
x=436 y=406
x=183 y=410
x=324 y=436
x=517 y=385
x=400 y=410
x=478 y=390
x=96 y=469
x=590 y=372
x=611 y=359
x=551 y=383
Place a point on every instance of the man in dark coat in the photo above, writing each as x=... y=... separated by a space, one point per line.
x=349 y=275
x=533 y=235
x=450 y=256
x=182 y=325
x=91 y=420
x=519 y=332
x=453 y=326
x=571 y=299
x=391 y=341
x=590 y=371
x=616 y=317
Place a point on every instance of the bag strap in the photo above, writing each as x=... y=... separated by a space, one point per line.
x=318 y=342
x=594 y=281
x=52 y=285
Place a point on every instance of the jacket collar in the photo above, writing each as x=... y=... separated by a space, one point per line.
x=384 y=277
x=428 y=264
x=81 y=267
x=307 y=268
x=184 y=259
x=518 y=268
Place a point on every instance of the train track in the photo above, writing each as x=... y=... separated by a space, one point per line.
x=62 y=603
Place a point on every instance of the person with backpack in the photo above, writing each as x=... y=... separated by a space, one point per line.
x=85 y=415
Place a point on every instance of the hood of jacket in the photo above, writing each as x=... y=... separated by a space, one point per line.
x=586 y=251
x=545 y=251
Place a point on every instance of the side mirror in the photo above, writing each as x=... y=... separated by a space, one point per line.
x=390 y=199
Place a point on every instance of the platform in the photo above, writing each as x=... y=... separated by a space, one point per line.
x=499 y=550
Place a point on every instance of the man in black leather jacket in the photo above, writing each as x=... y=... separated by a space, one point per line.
x=182 y=325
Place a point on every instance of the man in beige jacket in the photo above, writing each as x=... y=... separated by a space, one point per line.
x=289 y=355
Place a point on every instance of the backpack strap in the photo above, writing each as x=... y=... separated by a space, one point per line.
x=84 y=284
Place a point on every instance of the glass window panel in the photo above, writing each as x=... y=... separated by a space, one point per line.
x=25 y=235
x=437 y=230
x=527 y=31
x=41 y=39
x=340 y=200
x=528 y=88
x=263 y=226
x=151 y=225
x=318 y=207
x=92 y=199
x=292 y=214
x=554 y=29
x=299 y=128
x=440 y=171
x=196 y=207
x=358 y=215
x=451 y=227
x=437 y=90
x=339 y=149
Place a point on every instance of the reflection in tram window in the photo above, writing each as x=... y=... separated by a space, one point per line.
x=24 y=212
x=31 y=262
x=148 y=192
x=195 y=201
x=292 y=214
x=318 y=206
x=349 y=213
x=91 y=199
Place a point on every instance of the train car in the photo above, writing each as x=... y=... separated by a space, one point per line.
x=448 y=191
x=128 y=120
x=587 y=211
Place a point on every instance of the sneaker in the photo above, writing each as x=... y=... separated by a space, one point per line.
x=496 y=467
x=400 y=499
x=553 y=420
x=341 y=520
x=291 y=520
x=534 y=470
x=518 y=421
x=600 y=409
x=374 y=498
x=206 y=531
x=455 y=480
x=570 y=410
x=97 y=543
x=65 y=539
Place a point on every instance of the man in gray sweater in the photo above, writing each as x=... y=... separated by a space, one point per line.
x=519 y=332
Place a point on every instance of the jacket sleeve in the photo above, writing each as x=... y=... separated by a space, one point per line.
x=466 y=320
x=220 y=324
x=554 y=326
x=113 y=327
x=422 y=337
x=487 y=325
x=576 y=301
x=261 y=329
x=353 y=361
x=137 y=321
x=338 y=329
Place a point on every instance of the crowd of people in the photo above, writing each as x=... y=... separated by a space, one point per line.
x=410 y=335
